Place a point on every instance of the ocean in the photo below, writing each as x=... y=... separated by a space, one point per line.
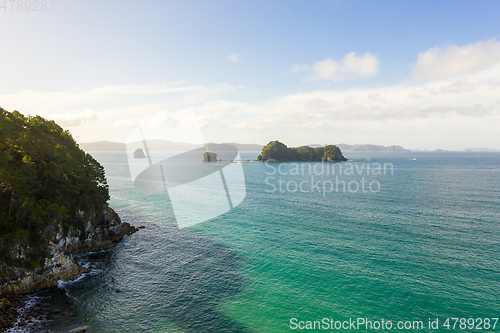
x=401 y=242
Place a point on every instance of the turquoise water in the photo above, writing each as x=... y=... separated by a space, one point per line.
x=307 y=255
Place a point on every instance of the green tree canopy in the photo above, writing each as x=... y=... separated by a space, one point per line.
x=45 y=178
x=278 y=151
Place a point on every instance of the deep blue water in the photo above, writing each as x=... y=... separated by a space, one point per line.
x=304 y=254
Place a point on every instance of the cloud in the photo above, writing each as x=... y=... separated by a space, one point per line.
x=439 y=63
x=141 y=101
x=351 y=67
x=78 y=99
x=233 y=57
x=475 y=96
x=181 y=119
x=130 y=122
x=314 y=122
x=252 y=125
x=86 y=117
x=297 y=68
x=468 y=103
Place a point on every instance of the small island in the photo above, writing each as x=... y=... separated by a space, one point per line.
x=279 y=152
x=209 y=157
x=139 y=153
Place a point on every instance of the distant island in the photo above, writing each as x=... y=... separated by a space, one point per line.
x=209 y=157
x=278 y=151
x=139 y=153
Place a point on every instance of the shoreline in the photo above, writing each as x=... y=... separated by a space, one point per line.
x=60 y=267
x=26 y=312
x=9 y=310
x=18 y=310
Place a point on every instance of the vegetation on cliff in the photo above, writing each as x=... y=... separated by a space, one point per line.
x=46 y=181
x=278 y=151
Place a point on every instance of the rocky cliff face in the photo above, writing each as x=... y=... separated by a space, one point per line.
x=99 y=233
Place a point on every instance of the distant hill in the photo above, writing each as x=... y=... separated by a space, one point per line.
x=159 y=145
x=482 y=149
x=247 y=146
x=103 y=146
x=365 y=147
x=162 y=145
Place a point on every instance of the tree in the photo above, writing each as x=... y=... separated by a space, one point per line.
x=45 y=179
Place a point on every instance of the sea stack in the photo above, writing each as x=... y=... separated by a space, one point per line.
x=139 y=153
x=209 y=157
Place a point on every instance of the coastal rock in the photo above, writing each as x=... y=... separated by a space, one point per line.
x=43 y=278
x=100 y=233
x=8 y=310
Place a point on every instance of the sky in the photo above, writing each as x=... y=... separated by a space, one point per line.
x=420 y=74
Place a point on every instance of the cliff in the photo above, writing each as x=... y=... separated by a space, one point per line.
x=277 y=151
x=99 y=233
x=53 y=204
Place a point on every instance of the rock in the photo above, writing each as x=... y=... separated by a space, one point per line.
x=4 y=303
x=142 y=227
x=86 y=269
x=139 y=153
x=99 y=233
x=8 y=311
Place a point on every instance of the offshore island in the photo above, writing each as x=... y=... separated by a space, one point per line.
x=279 y=152
x=53 y=205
